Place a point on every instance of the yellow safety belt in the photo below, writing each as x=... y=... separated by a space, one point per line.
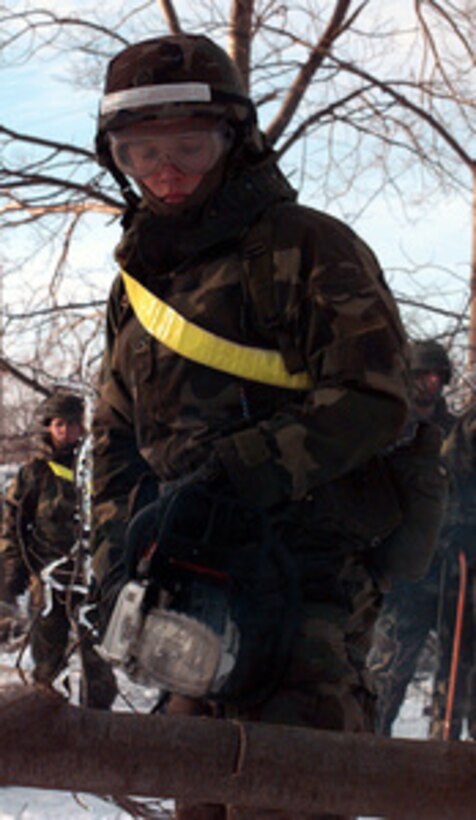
x=193 y=342
x=61 y=471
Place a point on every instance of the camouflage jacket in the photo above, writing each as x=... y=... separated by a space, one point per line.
x=459 y=451
x=39 y=522
x=160 y=414
x=443 y=417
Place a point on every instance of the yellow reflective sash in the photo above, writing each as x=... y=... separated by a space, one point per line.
x=192 y=342
x=61 y=471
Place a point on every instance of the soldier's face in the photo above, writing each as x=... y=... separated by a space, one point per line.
x=169 y=157
x=63 y=433
x=428 y=386
x=171 y=185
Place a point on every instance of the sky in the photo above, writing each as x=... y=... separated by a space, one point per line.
x=36 y=98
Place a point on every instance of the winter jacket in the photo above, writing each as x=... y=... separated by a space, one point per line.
x=460 y=454
x=313 y=454
x=39 y=523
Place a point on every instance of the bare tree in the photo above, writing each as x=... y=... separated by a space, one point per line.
x=363 y=103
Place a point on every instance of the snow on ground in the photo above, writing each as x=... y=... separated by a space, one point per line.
x=35 y=804
x=39 y=804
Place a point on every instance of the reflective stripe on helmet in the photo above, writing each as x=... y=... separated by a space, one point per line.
x=61 y=471
x=155 y=95
x=199 y=345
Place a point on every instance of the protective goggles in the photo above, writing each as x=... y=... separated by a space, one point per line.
x=192 y=151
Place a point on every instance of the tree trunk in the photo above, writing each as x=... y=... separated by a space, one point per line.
x=49 y=744
x=472 y=291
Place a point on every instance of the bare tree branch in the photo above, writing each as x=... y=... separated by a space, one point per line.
x=239 y=37
x=170 y=15
x=332 y=31
x=391 y=88
x=8 y=367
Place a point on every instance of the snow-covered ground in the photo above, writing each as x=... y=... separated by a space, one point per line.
x=37 y=804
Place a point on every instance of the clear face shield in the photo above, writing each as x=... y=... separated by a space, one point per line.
x=193 y=148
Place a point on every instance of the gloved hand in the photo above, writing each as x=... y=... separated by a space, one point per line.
x=199 y=520
x=148 y=514
x=198 y=524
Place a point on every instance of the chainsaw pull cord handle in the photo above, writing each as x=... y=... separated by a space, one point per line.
x=463 y=574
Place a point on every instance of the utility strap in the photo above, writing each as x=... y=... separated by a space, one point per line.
x=199 y=345
x=61 y=471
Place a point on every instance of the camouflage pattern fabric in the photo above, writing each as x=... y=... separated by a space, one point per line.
x=311 y=458
x=159 y=413
x=326 y=685
x=39 y=519
x=40 y=525
x=410 y=611
x=459 y=451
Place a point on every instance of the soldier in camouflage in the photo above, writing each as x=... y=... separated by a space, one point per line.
x=411 y=610
x=459 y=534
x=214 y=241
x=41 y=526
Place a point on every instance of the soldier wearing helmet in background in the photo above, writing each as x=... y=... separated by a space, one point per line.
x=41 y=527
x=430 y=372
x=411 y=610
x=254 y=371
x=453 y=717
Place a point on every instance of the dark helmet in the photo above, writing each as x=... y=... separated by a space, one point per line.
x=430 y=355
x=177 y=75
x=63 y=405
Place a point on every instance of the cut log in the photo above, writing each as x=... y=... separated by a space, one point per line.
x=49 y=744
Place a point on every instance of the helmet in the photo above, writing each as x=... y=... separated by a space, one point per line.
x=171 y=76
x=430 y=355
x=177 y=75
x=63 y=405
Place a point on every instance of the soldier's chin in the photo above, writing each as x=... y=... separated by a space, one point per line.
x=66 y=448
x=192 y=202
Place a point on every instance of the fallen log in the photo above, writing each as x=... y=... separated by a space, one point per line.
x=49 y=744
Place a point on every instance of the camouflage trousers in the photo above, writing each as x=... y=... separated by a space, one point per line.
x=49 y=638
x=409 y=612
x=464 y=706
x=326 y=684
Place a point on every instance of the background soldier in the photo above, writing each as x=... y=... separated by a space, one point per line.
x=459 y=535
x=41 y=525
x=411 y=610
x=255 y=368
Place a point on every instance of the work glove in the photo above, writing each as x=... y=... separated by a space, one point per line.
x=195 y=524
x=199 y=521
